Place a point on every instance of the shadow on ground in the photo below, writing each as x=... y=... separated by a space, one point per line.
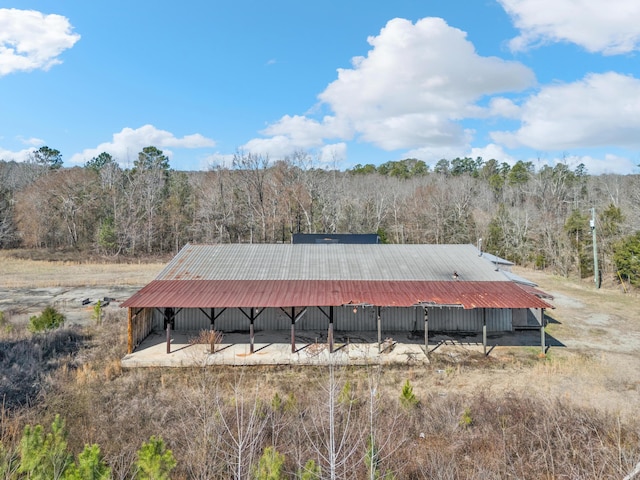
x=311 y=348
x=25 y=362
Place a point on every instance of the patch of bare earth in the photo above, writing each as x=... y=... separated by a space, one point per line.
x=595 y=363
x=28 y=285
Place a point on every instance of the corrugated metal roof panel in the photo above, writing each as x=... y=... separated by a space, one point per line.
x=288 y=293
x=329 y=262
x=535 y=291
x=518 y=279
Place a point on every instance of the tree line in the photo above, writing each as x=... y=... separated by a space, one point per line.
x=533 y=215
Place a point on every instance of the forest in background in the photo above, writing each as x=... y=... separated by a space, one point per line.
x=533 y=215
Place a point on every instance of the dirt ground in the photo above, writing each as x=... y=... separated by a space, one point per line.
x=28 y=286
x=596 y=358
x=594 y=335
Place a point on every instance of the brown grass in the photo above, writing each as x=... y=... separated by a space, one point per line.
x=26 y=273
x=570 y=414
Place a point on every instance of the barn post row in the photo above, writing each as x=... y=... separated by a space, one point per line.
x=335 y=287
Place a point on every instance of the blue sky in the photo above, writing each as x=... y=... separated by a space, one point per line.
x=346 y=81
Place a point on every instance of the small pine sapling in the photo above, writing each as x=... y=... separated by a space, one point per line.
x=408 y=399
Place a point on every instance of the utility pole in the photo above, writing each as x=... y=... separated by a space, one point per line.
x=596 y=272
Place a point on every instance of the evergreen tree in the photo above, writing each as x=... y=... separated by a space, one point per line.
x=44 y=457
x=270 y=465
x=626 y=255
x=155 y=461
x=90 y=466
x=310 y=471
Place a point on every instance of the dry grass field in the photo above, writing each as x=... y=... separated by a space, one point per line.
x=19 y=272
x=571 y=413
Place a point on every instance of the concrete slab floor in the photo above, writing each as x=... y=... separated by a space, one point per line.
x=274 y=348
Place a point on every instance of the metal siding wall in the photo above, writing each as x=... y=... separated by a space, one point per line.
x=499 y=320
x=441 y=319
x=158 y=319
x=451 y=319
x=448 y=319
x=362 y=321
x=404 y=319
x=314 y=319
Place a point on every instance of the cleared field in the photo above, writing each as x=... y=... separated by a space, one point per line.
x=23 y=273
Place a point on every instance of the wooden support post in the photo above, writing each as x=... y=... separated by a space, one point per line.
x=484 y=330
x=251 y=333
x=426 y=331
x=542 y=334
x=330 y=334
x=213 y=319
x=379 y=331
x=129 y=330
x=293 y=329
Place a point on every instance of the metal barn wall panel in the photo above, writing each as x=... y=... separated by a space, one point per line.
x=452 y=320
x=499 y=320
x=460 y=320
x=393 y=319
x=403 y=319
x=519 y=317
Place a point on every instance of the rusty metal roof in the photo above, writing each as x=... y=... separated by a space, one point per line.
x=290 y=293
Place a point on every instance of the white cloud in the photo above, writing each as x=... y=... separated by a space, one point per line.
x=410 y=91
x=126 y=144
x=607 y=26
x=416 y=82
x=19 y=156
x=34 y=142
x=333 y=155
x=304 y=132
x=492 y=151
x=599 y=110
x=431 y=155
x=276 y=147
x=217 y=160
x=609 y=164
x=31 y=40
x=504 y=107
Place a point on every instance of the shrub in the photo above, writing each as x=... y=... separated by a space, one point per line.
x=49 y=319
x=208 y=337
x=97 y=312
x=466 y=420
x=5 y=325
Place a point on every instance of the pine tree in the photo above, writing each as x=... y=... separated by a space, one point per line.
x=44 y=457
x=90 y=466
x=155 y=461
x=270 y=465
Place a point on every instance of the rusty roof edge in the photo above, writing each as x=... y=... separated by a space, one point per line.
x=204 y=293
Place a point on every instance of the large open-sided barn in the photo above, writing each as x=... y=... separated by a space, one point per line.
x=332 y=287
